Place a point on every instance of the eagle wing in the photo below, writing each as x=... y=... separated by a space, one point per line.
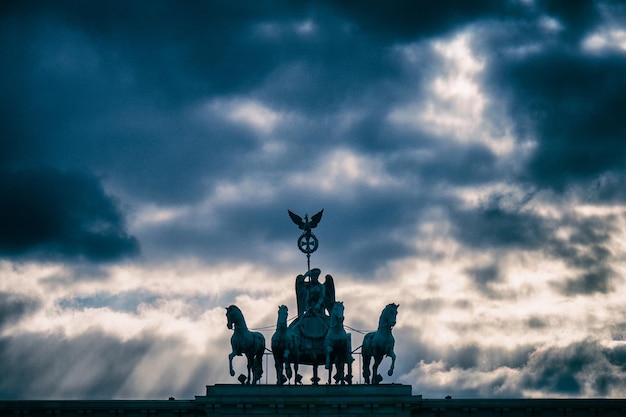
x=315 y=219
x=301 y=288
x=329 y=293
x=296 y=219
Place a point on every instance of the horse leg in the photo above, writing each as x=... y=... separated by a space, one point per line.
x=230 y=362
x=257 y=368
x=329 y=349
x=349 y=358
x=349 y=376
x=330 y=373
x=328 y=365
x=366 y=367
x=392 y=355
x=250 y=360
x=278 y=365
x=288 y=372
x=376 y=378
x=315 y=379
x=297 y=377
x=287 y=363
x=339 y=376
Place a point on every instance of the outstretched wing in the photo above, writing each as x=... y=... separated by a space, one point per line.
x=301 y=294
x=296 y=219
x=329 y=293
x=315 y=219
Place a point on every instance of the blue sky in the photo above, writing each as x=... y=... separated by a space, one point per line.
x=469 y=157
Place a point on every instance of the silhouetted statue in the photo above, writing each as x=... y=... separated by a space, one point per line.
x=338 y=345
x=311 y=326
x=306 y=225
x=284 y=348
x=307 y=241
x=379 y=344
x=317 y=335
x=245 y=342
x=313 y=297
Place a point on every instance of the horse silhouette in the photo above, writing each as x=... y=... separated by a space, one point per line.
x=245 y=342
x=338 y=347
x=379 y=344
x=284 y=348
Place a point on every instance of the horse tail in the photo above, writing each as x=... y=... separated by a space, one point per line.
x=259 y=351
x=259 y=341
x=258 y=344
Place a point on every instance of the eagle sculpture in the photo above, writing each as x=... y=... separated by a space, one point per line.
x=306 y=224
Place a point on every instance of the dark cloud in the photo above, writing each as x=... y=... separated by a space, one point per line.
x=583 y=368
x=486 y=275
x=498 y=228
x=14 y=307
x=54 y=214
x=402 y=20
x=502 y=223
x=579 y=132
x=576 y=16
x=93 y=116
x=486 y=279
x=597 y=280
x=537 y=322
x=565 y=99
x=568 y=370
x=464 y=356
x=617 y=356
x=608 y=188
x=375 y=235
x=588 y=250
x=427 y=305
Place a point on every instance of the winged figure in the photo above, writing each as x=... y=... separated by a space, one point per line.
x=306 y=224
x=312 y=296
x=329 y=293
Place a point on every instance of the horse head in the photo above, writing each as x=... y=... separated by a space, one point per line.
x=234 y=316
x=388 y=316
x=283 y=313
x=336 y=316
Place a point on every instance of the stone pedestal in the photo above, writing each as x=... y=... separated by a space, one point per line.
x=308 y=400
